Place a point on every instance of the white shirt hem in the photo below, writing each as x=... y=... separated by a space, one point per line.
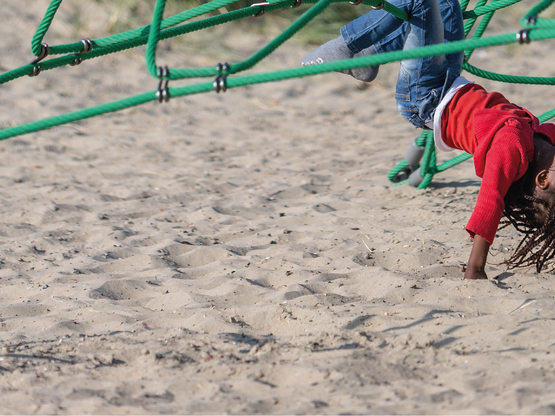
x=456 y=86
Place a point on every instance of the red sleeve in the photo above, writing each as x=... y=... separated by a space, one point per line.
x=505 y=162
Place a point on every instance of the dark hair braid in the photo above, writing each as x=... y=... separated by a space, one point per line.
x=537 y=246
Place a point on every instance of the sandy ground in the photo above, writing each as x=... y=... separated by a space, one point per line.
x=244 y=252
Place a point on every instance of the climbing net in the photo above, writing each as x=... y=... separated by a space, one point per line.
x=420 y=164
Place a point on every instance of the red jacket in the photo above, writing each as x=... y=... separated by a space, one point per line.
x=499 y=135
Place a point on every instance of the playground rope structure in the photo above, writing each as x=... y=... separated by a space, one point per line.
x=420 y=164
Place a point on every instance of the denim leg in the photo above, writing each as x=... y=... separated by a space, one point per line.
x=372 y=27
x=394 y=41
x=453 y=30
x=421 y=81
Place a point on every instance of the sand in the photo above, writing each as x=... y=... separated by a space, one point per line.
x=244 y=252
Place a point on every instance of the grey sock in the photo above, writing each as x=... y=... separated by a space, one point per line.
x=336 y=50
x=366 y=73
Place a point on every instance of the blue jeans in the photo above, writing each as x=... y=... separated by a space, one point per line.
x=423 y=81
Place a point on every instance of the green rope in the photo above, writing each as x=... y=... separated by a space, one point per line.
x=427 y=170
x=513 y=79
x=320 y=5
x=481 y=10
x=464 y=5
x=285 y=35
x=130 y=35
x=115 y=45
x=240 y=81
x=396 y=170
x=154 y=37
x=160 y=29
x=44 y=26
x=479 y=32
x=531 y=19
x=547 y=116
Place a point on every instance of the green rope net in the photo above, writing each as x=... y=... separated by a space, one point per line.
x=226 y=76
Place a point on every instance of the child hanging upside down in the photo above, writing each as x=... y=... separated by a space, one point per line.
x=513 y=153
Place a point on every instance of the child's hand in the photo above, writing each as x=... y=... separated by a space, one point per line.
x=477 y=261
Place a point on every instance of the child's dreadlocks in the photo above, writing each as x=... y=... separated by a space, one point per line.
x=537 y=246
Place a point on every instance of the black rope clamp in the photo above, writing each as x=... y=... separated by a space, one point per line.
x=44 y=51
x=297 y=4
x=379 y=6
x=261 y=5
x=222 y=67
x=36 y=71
x=163 y=92
x=531 y=20
x=220 y=83
x=87 y=47
x=523 y=36
x=356 y=2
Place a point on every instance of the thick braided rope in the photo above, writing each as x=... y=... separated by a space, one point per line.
x=512 y=79
x=154 y=37
x=531 y=19
x=44 y=26
x=123 y=37
x=133 y=39
x=130 y=35
x=469 y=24
x=258 y=78
x=301 y=22
x=140 y=36
x=319 y=7
x=132 y=42
x=239 y=81
x=480 y=10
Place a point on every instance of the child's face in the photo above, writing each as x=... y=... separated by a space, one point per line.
x=545 y=182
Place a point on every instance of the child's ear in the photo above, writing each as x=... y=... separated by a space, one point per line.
x=541 y=179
